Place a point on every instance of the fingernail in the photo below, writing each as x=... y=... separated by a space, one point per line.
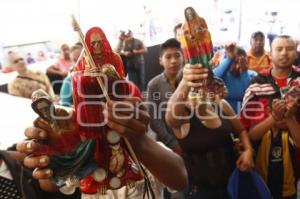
x=42 y=134
x=29 y=145
x=49 y=172
x=43 y=161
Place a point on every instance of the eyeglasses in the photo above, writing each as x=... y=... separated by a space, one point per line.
x=18 y=60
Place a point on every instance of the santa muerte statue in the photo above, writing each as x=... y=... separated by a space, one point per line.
x=198 y=49
x=99 y=77
x=88 y=151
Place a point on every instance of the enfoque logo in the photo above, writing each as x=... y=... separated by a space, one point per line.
x=123 y=110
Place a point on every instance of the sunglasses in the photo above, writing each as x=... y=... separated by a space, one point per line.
x=18 y=60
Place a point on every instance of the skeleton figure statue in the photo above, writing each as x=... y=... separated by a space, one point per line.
x=197 y=48
x=114 y=165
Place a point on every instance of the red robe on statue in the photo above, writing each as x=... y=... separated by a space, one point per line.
x=89 y=102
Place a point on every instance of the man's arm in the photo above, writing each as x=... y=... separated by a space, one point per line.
x=223 y=68
x=231 y=53
x=53 y=70
x=164 y=164
x=294 y=128
x=277 y=113
x=14 y=90
x=142 y=49
x=259 y=130
x=291 y=121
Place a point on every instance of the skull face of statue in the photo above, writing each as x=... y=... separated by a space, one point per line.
x=96 y=43
x=190 y=14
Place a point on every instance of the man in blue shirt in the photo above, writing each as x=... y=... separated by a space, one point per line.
x=233 y=70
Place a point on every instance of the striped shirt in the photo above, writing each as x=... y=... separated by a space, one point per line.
x=263 y=88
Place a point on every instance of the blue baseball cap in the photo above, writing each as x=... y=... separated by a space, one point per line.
x=247 y=185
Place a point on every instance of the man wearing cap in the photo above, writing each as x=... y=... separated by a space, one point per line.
x=258 y=58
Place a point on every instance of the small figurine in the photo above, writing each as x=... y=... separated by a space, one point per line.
x=69 y=157
x=198 y=49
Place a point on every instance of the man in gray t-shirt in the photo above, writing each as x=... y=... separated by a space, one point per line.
x=160 y=89
x=132 y=51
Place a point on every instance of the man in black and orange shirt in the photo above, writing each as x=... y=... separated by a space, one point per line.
x=271 y=119
x=258 y=58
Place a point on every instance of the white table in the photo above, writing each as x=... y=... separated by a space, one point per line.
x=15 y=116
